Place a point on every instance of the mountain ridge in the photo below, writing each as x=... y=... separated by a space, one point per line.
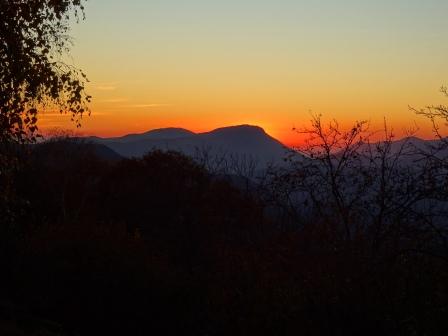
x=244 y=140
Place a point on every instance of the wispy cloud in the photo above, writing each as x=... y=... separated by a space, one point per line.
x=106 y=86
x=51 y=125
x=99 y=113
x=56 y=115
x=147 y=105
x=115 y=100
x=52 y=114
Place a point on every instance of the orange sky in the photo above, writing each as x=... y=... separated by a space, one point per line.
x=208 y=64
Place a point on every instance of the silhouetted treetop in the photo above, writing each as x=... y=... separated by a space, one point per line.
x=33 y=38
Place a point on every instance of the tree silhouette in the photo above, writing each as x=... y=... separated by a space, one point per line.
x=33 y=38
x=435 y=113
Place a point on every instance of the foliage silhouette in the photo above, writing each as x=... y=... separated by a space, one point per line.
x=33 y=40
x=159 y=245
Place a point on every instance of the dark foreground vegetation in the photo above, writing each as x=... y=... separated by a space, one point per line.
x=158 y=246
x=348 y=242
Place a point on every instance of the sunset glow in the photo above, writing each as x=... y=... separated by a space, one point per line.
x=207 y=64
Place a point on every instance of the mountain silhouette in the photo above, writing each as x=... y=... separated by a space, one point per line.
x=408 y=150
x=156 y=134
x=243 y=140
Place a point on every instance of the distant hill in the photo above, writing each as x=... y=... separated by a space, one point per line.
x=244 y=141
x=105 y=153
x=71 y=147
x=409 y=150
x=156 y=134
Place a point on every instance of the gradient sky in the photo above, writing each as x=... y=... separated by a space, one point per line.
x=205 y=64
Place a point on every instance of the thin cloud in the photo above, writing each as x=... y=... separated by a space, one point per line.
x=115 y=100
x=65 y=115
x=106 y=87
x=55 y=114
x=99 y=113
x=51 y=124
x=148 y=105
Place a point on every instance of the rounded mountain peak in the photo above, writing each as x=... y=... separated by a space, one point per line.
x=240 y=129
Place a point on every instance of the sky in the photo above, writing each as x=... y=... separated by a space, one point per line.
x=203 y=64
